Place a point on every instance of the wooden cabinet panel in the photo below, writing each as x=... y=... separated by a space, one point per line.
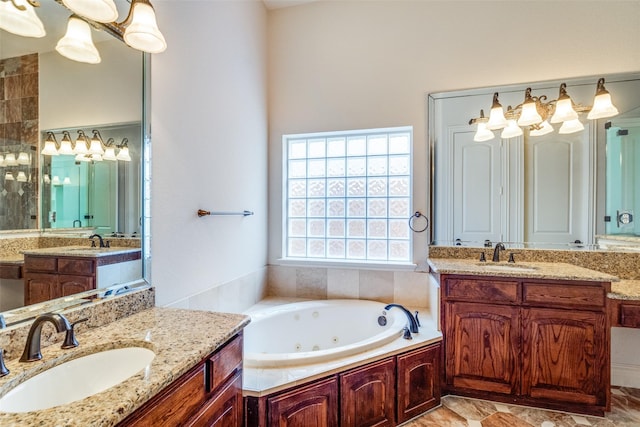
x=314 y=405
x=476 y=290
x=225 y=363
x=418 y=382
x=69 y=285
x=39 y=287
x=482 y=347
x=566 y=356
x=224 y=410
x=84 y=267
x=578 y=295
x=40 y=264
x=367 y=395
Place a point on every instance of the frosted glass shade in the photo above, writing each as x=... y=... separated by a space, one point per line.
x=96 y=157
x=496 y=119
x=564 y=111
x=123 y=154
x=22 y=177
x=20 y=22
x=66 y=181
x=50 y=148
x=81 y=146
x=65 y=147
x=10 y=160
x=82 y=158
x=77 y=43
x=571 y=126
x=143 y=33
x=55 y=180
x=96 y=10
x=9 y=177
x=23 y=159
x=544 y=129
x=96 y=147
x=511 y=131
x=482 y=133
x=529 y=115
x=109 y=154
x=602 y=107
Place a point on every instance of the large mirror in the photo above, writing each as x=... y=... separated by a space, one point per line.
x=48 y=96
x=571 y=189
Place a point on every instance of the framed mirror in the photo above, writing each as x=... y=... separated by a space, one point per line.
x=576 y=189
x=46 y=94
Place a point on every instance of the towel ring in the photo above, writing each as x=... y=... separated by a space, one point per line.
x=413 y=218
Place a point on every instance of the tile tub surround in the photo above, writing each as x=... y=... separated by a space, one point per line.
x=624 y=265
x=180 y=339
x=99 y=312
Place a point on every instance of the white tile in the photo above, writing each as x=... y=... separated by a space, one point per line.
x=411 y=288
x=580 y=420
x=281 y=281
x=343 y=283
x=376 y=285
x=207 y=300
x=311 y=283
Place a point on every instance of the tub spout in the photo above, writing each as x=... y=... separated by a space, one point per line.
x=413 y=323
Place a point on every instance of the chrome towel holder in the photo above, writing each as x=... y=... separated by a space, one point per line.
x=202 y=212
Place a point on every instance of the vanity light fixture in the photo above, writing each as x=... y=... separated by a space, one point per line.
x=96 y=10
x=55 y=180
x=23 y=159
x=65 y=144
x=96 y=157
x=10 y=160
x=535 y=113
x=19 y=17
x=77 y=43
x=81 y=143
x=66 y=181
x=46 y=179
x=22 y=177
x=109 y=151
x=50 y=145
x=123 y=154
x=141 y=29
x=96 y=144
x=9 y=176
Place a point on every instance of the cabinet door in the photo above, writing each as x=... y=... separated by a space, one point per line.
x=224 y=410
x=315 y=405
x=482 y=347
x=367 y=395
x=70 y=285
x=418 y=383
x=39 y=287
x=565 y=356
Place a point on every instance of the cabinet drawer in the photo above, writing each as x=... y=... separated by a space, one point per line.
x=565 y=295
x=481 y=290
x=46 y=265
x=83 y=267
x=630 y=315
x=225 y=363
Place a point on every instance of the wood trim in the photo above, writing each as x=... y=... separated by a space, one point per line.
x=10 y=271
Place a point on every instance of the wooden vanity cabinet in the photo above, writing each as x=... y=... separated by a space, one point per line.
x=209 y=394
x=47 y=278
x=625 y=313
x=535 y=342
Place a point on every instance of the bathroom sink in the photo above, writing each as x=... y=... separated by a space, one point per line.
x=76 y=379
x=507 y=267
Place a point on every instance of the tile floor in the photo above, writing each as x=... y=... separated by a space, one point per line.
x=462 y=412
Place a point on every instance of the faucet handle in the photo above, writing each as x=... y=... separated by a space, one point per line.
x=70 y=340
x=3 y=368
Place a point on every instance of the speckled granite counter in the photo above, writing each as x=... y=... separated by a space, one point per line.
x=180 y=339
x=539 y=270
x=625 y=290
x=80 y=251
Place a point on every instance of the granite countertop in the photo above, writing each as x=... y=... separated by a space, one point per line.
x=625 y=290
x=80 y=251
x=12 y=259
x=180 y=339
x=538 y=270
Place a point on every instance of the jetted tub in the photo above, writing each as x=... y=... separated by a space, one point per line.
x=316 y=331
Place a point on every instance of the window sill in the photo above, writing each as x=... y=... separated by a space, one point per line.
x=358 y=265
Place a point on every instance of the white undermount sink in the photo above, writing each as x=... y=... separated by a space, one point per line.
x=507 y=267
x=76 y=379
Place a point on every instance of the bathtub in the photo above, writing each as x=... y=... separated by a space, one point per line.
x=310 y=332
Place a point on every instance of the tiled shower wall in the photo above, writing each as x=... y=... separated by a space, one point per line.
x=19 y=133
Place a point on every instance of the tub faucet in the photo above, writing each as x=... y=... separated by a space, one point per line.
x=93 y=244
x=413 y=324
x=32 y=347
x=496 y=252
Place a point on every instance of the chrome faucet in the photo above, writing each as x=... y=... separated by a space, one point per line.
x=93 y=244
x=413 y=323
x=32 y=347
x=496 y=252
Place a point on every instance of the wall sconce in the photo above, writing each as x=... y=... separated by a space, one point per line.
x=77 y=43
x=50 y=145
x=81 y=143
x=55 y=180
x=23 y=159
x=536 y=112
x=123 y=154
x=65 y=144
x=22 y=177
x=139 y=30
x=109 y=151
x=9 y=176
x=19 y=17
x=96 y=144
x=66 y=181
x=10 y=160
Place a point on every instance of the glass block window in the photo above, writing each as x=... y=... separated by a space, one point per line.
x=347 y=195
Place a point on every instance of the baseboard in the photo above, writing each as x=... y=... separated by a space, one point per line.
x=625 y=375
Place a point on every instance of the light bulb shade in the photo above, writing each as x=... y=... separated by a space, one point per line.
x=529 y=115
x=46 y=179
x=109 y=154
x=496 y=119
x=511 y=131
x=96 y=157
x=96 y=10
x=65 y=147
x=66 y=181
x=602 y=107
x=23 y=159
x=10 y=160
x=9 y=177
x=20 y=22
x=482 y=133
x=543 y=129
x=96 y=147
x=143 y=33
x=22 y=177
x=82 y=158
x=55 y=180
x=123 y=154
x=571 y=126
x=50 y=148
x=81 y=146
x=77 y=43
